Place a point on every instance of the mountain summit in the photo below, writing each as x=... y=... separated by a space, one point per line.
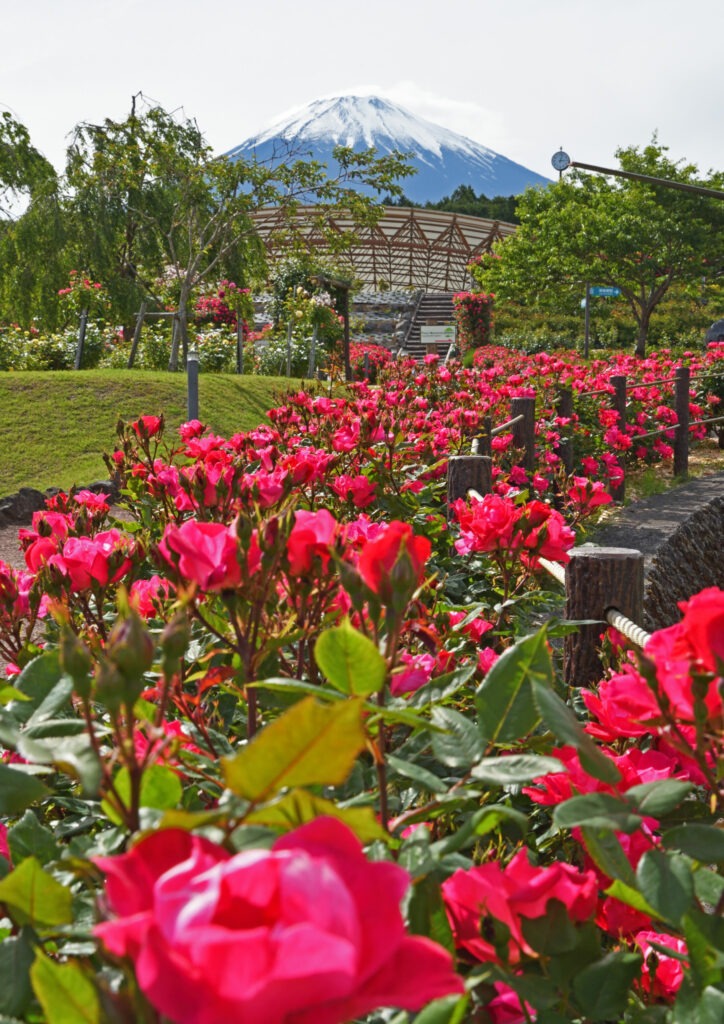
x=442 y=158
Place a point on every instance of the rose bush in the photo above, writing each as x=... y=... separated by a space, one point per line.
x=275 y=670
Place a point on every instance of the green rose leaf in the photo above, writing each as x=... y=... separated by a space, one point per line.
x=666 y=882
x=632 y=898
x=605 y=848
x=460 y=745
x=484 y=820
x=72 y=754
x=565 y=726
x=506 y=710
x=350 y=660
x=694 y=1007
x=596 y=810
x=514 y=769
x=65 y=992
x=40 y=678
x=656 y=799
x=426 y=913
x=425 y=779
x=29 y=838
x=602 y=989
x=34 y=897
x=310 y=744
x=18 y=790
x=298 y=806
x=702 y=842
x=160 y=788
x=449 y=1010
x=553 y=933
x=16 y=956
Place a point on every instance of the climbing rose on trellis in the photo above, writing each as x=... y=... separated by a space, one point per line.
x=474 y=317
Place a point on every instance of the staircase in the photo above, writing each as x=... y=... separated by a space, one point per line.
x=433 y=308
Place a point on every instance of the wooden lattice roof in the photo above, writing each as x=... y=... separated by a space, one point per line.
x=407 y=248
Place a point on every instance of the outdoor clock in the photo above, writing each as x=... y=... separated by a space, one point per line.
x=560 y=160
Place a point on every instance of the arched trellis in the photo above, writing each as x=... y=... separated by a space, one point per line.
x=406 y=248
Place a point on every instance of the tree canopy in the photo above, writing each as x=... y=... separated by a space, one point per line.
x=636 y=236
x=145 y=207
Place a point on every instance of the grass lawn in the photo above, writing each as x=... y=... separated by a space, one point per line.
x=54 y=426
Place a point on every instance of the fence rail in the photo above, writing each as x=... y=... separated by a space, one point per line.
x=523 y=420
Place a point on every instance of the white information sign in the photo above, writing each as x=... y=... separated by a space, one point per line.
x=438 y=333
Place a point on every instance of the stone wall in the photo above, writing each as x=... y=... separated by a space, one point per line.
x=687 y=562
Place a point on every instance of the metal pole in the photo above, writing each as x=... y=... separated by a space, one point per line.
x=698 y=190
x=347 y=366
x=587 y=327
x=192 y=383
x=81 y=338
x=289 y=349
x=239 y=344
x=312 y=352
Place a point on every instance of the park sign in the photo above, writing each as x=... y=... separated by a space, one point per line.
x=603 y=291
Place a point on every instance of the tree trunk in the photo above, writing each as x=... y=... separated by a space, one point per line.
x=181 y=334
x=643 y=321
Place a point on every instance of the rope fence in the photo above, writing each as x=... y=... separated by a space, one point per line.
x=462 y=475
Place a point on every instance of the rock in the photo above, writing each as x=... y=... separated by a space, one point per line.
x=19 y=508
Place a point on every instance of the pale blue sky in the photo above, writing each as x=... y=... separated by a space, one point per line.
x=520 y=76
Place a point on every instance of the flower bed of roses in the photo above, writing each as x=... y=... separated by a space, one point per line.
x=293 y=750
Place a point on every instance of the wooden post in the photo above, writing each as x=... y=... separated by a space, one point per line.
x=564 y=409
x=140 y=315
x=598 y=579
x=81 y=339
x=524 y=431
x=618 y=491
x=681 y=407
x=482 y=442
x=468 y=471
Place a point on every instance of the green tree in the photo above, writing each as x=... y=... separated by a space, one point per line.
x=31 y=227
x=162 y=204
x=636 y=236
x=24 y=171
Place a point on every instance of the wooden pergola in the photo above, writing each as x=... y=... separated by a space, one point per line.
x=407 y=247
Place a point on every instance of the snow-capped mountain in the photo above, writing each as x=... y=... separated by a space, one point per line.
x=442 y=158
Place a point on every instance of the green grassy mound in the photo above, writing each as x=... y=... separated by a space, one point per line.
x=54 y=427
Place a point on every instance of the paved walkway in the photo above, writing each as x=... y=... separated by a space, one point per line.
x=646 y=525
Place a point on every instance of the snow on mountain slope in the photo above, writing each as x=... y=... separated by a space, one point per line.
x=442 y=158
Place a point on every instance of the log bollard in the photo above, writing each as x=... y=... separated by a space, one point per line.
x=524 y=430
x=681 y=407
x=468 y=471
x=598 y=579
x=483 y=440
x=618 y=491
